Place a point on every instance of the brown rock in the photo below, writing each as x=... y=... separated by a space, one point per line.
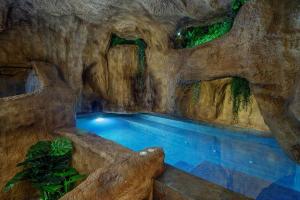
x=132 y=178
x=3 y=14
x=36 y=109
x=214 y=105
x=92 y=152
x=122 y=70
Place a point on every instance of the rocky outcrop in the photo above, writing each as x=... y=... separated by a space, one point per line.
x=92 y=152
x=13 y=81
x=114 y=171
x=130 y=179
x=28 y=118
x=262 y=47
x=50 y=107
x=214 y=105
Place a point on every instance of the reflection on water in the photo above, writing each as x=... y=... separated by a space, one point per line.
x=253 y=166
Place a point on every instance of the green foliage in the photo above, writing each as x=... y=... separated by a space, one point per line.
x=47 y=168
x=39 y=149
x=139 y=78
x=236 y=5
x=240 y=92
x=196 y=88
x=116 y=40
x=196 y=36
x=60 y=147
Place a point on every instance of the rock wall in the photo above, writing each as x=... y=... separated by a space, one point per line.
x=114 y=171
x=12 y=81
x=263 y=47
x=50 y=107
x=214 y=105
x=28 y=118
x=122 y=69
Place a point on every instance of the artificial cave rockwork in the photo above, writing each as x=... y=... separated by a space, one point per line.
x=68 y=43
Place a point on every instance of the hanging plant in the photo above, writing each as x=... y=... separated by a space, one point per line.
x=139 y=76
x=240 y=92
x=195 y=36
x=196 y=90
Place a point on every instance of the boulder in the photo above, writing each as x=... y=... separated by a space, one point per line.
x=131 y=178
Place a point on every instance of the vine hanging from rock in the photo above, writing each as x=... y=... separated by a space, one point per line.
x=195 y=36
x=140 y=43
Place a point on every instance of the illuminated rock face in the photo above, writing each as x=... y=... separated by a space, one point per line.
x=214 y=105
x=262 y=47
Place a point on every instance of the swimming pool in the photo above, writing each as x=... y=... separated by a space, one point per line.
x=247 y=164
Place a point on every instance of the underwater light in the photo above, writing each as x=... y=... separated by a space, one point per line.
x=100 y=119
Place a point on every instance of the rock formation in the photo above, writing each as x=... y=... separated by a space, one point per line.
x=214 y=104
x=132 y=178
x=263 y=47
x=28 y=118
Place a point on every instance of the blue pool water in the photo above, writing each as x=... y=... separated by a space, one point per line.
x=247 y=164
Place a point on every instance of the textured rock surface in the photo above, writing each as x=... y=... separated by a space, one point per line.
x=28 y=118
x=12 y=81
x=122 y=68
x=92 y=152
x=263 y=47
x=132 y=178
x=115 y=172
x=37 y=109
x=3 y=14
x=214 y=104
